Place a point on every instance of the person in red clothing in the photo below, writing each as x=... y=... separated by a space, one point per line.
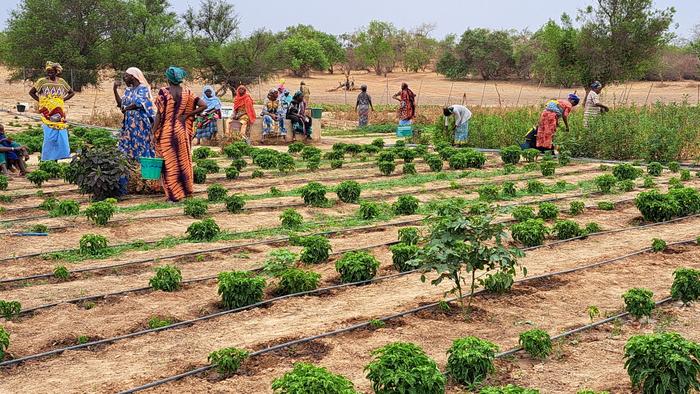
x=549 y=120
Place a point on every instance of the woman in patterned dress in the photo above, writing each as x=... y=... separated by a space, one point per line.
x=362 y=106
x=205 y=123
x=407 y=106
x=173 y=132
x=135 y=138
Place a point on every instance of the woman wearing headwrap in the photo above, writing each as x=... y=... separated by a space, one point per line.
x=205 y=123
x=135 y=138
x=549 y=120
x=407 y=106
x=243 y=110
x=461 y=115
x=270 y=111
x=173 y=133
x=285 y=102
x=52 y=92
x=301 y=124
x=362 y=106
x=592 y=107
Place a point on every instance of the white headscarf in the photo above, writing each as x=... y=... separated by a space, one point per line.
x=136 y=73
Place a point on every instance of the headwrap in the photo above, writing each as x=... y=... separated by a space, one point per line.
x=574 y=98
x=136 y=73
x=213 y=102
x=298 y=95
x=175 y=75
x=55 y=66
x=596 y=85
x=245 y=101
x=272 y=92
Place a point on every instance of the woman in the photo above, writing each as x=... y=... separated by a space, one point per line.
x=462 y=115
x=243 y=111
x=172 y=133
x=285 y=103
x=549 y=120
x=301 y=124
x=137 y=106
x=205 y=123
x=362 y=106
x=270 y=111
x=52 y=92
x=592 y=107
x=407 y=106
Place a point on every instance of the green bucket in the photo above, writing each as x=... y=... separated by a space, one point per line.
x=316 y=113
x=151 y=167
x=404 y=131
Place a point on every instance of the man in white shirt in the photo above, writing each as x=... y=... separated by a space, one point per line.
x=593 y=107
x=462 y=115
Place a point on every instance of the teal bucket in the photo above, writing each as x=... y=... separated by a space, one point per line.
x=316 y=113
x=404 y=131
x=151 y=167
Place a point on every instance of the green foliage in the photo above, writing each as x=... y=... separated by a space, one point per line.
x=674 y=166
x=658 y=245
x=92 y=245
x=378 y=142
x=564 y=158
x=316 y=248
x=656 y=206
x=203 y=152
x=10 y=309
x=467 y=158
x=648 y=182
x=498 y=283
x=511 y=154
x=685 y=175
x=402 y=256
x=60 y=272
x=232 y=151
x=522 y=213
x=66 y=208
x=203 y=231
x=548 y=167
x=369 y=210
x=470 y=360
x=295 y=280
x=405 y=205
x=626 y=171
x=535 y=187
x=488 y=192
x=409 y=236
x=240 y=288
x=239 y=164
x=199 y=175
x=508 y=189
x=548 y=211
x=654 y=168
x=38 y=228
x=639 y=302
x=313 y=163
x=167 y=278
x=310 y=151
x=3 y=182
x=334 y=155
x=100 y=212
x=626 y=186
x=509 y=389
x=605 y=183
x=335 y=164
x=576 y=208
x=531 y=155
x=370 y=149
x=687 y=198
x=349 y=192
x=407 y=155
x=314 y=194
x=686 y=285
x=566 y=229
x=663 y=363
x=296 y=147
x=278 y=261
x=227 y=360
x=235 y=203
x=592 y=228
x=291 y=219
x=307 y=378
x=266 y=160
x=537 y=343
x=4 y=342
x=196 y=207
x=98 y=170
x=356 y=266
x=409 y=169
x=38 y=177
x=531 y=232
x=386 y=167
x=158 y=322
x=216 y=193
x=606 y=205
x=50 y=203
x=401 y=367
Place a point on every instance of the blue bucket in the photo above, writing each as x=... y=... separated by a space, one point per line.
x=404 y=131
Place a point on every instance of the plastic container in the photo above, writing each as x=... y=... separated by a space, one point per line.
x=404 y=131
x=21 y=107
x=151 y=167
x=316 y=113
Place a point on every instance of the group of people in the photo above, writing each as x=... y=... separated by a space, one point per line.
x=405 y=97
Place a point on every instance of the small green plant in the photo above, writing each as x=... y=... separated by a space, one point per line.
x=10 y=309
x=295 y=280
x=530 y=155
x=592 y=228
x=208 y=165
x=508 y=189
x=402 y=256
x=566 y=229
x=605 y=183
x=49 y=204
x=335 y=164
x=434 y=162
x=309 y=151
x=291 y=219
x=499 y=283
x=467 y=158
x=61 y=272
x=313 y=163
x=267 y=160
x=296 y=147
x=537 y=343
x=203 y=152
x=167 y=278
x=405 y=205
x=38 y=177
x=409 y=236
x=654 y=168
x=196 y=207
x=356 y=266
x=685 y=175
x=4 y=342
x=535 y=187
x=686 y=285
x=349 y=192
x=531 y=232
x=648 y=182
x=3 y=186
x=66 y=208
x=158 y=322
x=626 y=171
x=316 y=248
x=370 y=149
x=240 y=288
x=307 y=378
x=470 y=360
x=377 y=324
x=386 y=167
x=369 y=210
x=100 y=212
x=216 y=193
x=257 y=174
x=275 y=192
x=239 y=164
x=509 y=389
x=386 y=156
x=235 y=203
x=658 y=245
x=606 y=206
x=378 y=142
x=227 y=360
x=402 y=367
x=547 y=211
x=576 y=208
x=83 y=339
x=203 y=231
x=488 y=192
x=511 y=154
x=564 y=158
x=674 y=167
x=626 y=186
x=199 y=175
x=523 y=213
x=407 y=155
x=409 y=169
x=639 y=302
x=285 y=163
x=548 y=167
x=278 y=261
x=38 y=228
x=314 y=194
x=656 y=206
x=593 y=312
x=92 y=245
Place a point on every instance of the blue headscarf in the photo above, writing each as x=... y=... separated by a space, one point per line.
x=213 y=102
x=175 y=75
x=574 y=99
x=596 y=85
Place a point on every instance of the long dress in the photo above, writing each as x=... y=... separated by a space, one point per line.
x=364 y=102
x=174 y=141
x=53 y=117
x=135 y=135
x=407 y=107
x=549 y=120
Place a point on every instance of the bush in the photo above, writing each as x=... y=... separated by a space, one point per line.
x=203 y=231
x=306 y=378
x=38 y=177
x=335 y=164
x=434 y=162
x=447 y=152
x=227 y=360
x=167 y=278
x=522 y=213
x=535 y=187
x=663 y=363
x=310 y=151
x=313 y=163
x=655 y=206
x=407 y=155
x=401 y=255
x=402 y=367
x=3 y=182
x=232 y=152
x=405 y=205
x=409 y=169
x=605 y=183
x=235 y=203
x=409 y=235
x=239 y=164
x=626 y=185
x=626 y=171
x=509 y=389
x=4 y=342
x=488 y=192
x=530 y=155
x=216 y=193
x=606 y=206
x=467 y=158
x=296 y=147
x=639 y=302
x=564 y=158
x=278 y=261
x=386 y=155
x=674 y=167
x=531 y=232
x=498 y=283
x=685 y=175
x=592 y=228
x=38 y=228
x=334 y=155
x=686 y=285
x=203 y=152
x=92 y=245
x=348 y=192
x=658 y=245
x=295 y=280
x=353 y=149
x=378 y=142
x=371 y=149
x=356 y=266
x=285 y=163
x=267 y=160
x=470 y=360
x=566 y=229
x=537 y=343
x=196 y=207
x=648 y=182
x=157 y=322
x=66 y=208
x=386 y=167
x=10 y=309
x=314 y=194
x=687 y=199
x=208 y=165
x=100 y=212
x=511 y=154
x=199 y=175
x=369 y=210
x=548 y=167
x=316 y=248
x=548 y=211
x=576 y=208
x=654 y=168
x=240 y=288
x=291 y=219
x=508 y=189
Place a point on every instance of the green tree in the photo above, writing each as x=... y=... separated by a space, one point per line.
x=375 y=46
x=216 y=21
x=303 y=54
x=490 y=53
x=244 y=60
x=332 y=49
x=557 y=62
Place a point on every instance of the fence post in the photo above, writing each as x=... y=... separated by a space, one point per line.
x=483 y=92
x=648 y=94
x=449 y=96
x=420 y=87
x=72 y=82
x=387 y=89
x=521 y=92
x=500 y=104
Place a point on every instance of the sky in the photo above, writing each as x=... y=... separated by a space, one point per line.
x=449 y=16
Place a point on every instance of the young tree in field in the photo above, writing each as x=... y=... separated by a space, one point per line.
x=420 y=48
x=374 y=46
x=556 y=62
x=448 y=64
x=332 y=50
x=216 y=21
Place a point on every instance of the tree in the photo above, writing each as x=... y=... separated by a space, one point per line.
x=244 y=60
x=303 y=54
x=525 y=51
x=216 y=21
x=490 y=53
x=375 y=46
x=420 y=48
x=557 y=62
x=332 y=50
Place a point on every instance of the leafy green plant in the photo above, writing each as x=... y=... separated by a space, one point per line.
x=434 y=162
x=334 y=155
x=547 y=211
x=566 y=229
x=267 y=160
x=235 y=203
x=548 y=167
x=216 y=193
x=296 y=280
x=656 y=206
x=38 y=228
x=349 y=192
x=511 y=154
x=278 y=261
x=648 y=182
x=285 y=163
x=531 y=232
x=101 y=211
x=10 y=309
x=60 y=272
x=314 y=194
x=356 y=266
x=488 y=192
x=522 y=213
x=402 y=367
x=403 y=255
x=654 y=168
x=92 y=245
x=409 y=236
x=370 y=149
x=687 y=199
x=208 y=165
x=509 y=389
x=639 y=302
x=386 y=155
x=658 y=245
x=626 y=186
x=240 y=288
x=686 y=285
x=674 y=166
x=530 y=155
x=38 y=177
x=592 y=228
x=310 y=151
x=467 y=158
x=605 y=183
x=508 y=189
x=626 y=171
x=378 y=142
x=257 y=174
x=313 y=163
x=167 y=278
x=316 y=248
x=535 y=187
x=606 y=206
x=335 y=164
x=386 y=167
x=407 y=155
x=275 y=192
x=49 y=204
x=203 y=231
x=158 y=322
x=199 y=175
x=3 y=184
x=239 y=164
x=307 y=378
x=4 y=342
x=227 y=360
x=66 y=208
x=369 y=210
x=498 y=283
x=196 y=207
x=593 y=312
x=663 y=363
x=537 y=343
x=409 y=169
x=203 y=152
x=295 y=147
x=405 y=205
x=470 y=360
x=576 y=208
x=564 y=158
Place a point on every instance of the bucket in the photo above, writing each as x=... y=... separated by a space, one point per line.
x=316 y=113
x=404 y=131
x=21 y=107
x=151 y=167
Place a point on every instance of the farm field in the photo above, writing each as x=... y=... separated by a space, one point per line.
x=91 y=329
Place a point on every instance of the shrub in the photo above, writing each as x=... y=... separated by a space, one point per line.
x=564 y=158
x=470 y=360
x=239 y=164
x=626 y=171
x=278 y=261
x=407 y=155
x=548 y=211
x=335 y=164
x=409 y=169
x=353 y=149
x=386 y=167
x=530 y=155
x=537 y=343
x=316 y=248
x=530 y=232
x=208 y=165
x=203 y=231
x=674 y=167
x=167 y=278
x=216 y=193
x=10 y=309
x=313 y=163
x=686 y=285
x=434 y=162
x=199 y=175
x=371 y=149
x=508 y=189
x=349 y=192
x=203 y=152
x=509 y=389
x=576 y=208
x=566 y=229
x=240 y=288
x=235 y=203
x=158 y=322
x=535 y=187
x=548 y=167
x=405 y=205
x=402 y=254
x=447 y=152
x=334 y=155
x=648 y=182
x=626 y=186
x=409 y=235
x=522 y=213
x=605 y=183
x=369 y=210
x=295 y=280
x=606 y=206
x=38 y=228
x=66 y=208
x=654 y=168
x=232 y=152
x=674 y=183
x=314 y=194
x=285 y=163
x=663 y=363
x=655 y=206
x=100 y=212
x=291 y=219
x=467 y=158
x=402 y=367
x=639 y=302
x=267 y=160
x=511 y=154
x=310 y=151
x=386 y=156
x=38 y=177
x=60 y=272
x=4 y=342
x=498 y=283
x=687 y=199
x=488 y=192
x=227 y=360
x=356 y=266
x=296 y=147
x=92 y=245
x=658 y=245
x=306 y=378
x=378 y=142
x=196 y=207
x=3 y=182
x=592 y=228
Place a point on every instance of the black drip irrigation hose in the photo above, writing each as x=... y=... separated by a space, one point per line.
x=387 y=318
